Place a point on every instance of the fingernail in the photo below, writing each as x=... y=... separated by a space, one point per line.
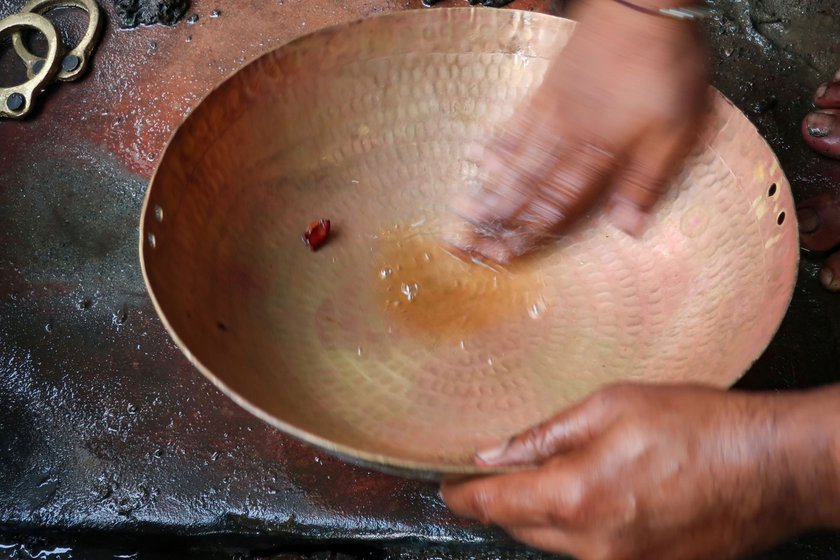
x=808 y=220
x=493 y=454
x=628 y=217
x=819 y=124
x=828 y=280
x=821 y=91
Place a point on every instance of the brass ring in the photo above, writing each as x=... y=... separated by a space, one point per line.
x=16 y=101
x=75 y=61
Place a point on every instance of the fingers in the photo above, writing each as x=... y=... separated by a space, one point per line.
x=645 y=178
x=513 y=218
x=568 y=430
x=578 y=176
x=512 y=163
x=505 y=189
x=535 y=497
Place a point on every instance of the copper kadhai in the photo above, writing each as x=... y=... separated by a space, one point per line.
x=382 y=348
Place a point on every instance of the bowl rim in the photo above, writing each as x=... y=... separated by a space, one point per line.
x=366 y=459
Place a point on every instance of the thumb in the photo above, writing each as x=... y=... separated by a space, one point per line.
x=571 y=428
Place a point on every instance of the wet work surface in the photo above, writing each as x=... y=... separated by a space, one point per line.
x=113 y=445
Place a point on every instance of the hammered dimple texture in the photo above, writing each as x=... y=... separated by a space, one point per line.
x=381 y=346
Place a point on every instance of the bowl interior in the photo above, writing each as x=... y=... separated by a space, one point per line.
x=381 y=346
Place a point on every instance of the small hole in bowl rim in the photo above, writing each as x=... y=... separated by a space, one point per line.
x=781 y=219
x=772 y=190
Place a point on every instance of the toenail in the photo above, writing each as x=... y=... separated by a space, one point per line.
x=822 y=90
x=808 y=219
x=819 y=124
x=828 y=280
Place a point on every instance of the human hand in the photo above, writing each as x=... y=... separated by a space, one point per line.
x=615 y=116
x=647 y=471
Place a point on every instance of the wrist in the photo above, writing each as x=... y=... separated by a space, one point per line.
x=635 y=14
x=654 y=7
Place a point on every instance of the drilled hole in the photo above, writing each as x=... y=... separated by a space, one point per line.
x=159 y=213
x=781 y=219
x=152 y=241
x=772 y=190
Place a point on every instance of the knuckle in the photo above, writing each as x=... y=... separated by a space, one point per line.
x=480 y=503
x=539 y=440
x=570 y=506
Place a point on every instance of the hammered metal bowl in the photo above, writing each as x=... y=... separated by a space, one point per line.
x=382 y=348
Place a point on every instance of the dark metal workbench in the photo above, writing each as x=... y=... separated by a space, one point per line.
x=112 y=444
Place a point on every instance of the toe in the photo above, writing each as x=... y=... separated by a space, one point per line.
x=830 y=273
x=819 y=222
x=828 y=96
x=821 y=130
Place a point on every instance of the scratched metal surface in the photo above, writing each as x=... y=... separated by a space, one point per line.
x=107 y=435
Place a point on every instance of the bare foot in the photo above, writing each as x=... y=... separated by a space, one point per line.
x=819 y=217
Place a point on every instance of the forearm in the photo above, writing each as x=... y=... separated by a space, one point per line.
x=651 y=4
x=808 y=430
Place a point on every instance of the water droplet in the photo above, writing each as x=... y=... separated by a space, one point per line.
x=385 y=273
x=463 y=346
x=132 y=409
x=215 y=13
x=158 y=214
x=490 y=362
x=158 y=453
x=427 y=257
x=359 y=351
x=49 y=326
x=537 y=309
x=410 y=291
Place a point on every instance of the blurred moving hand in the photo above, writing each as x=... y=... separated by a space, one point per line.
x=616 y=114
